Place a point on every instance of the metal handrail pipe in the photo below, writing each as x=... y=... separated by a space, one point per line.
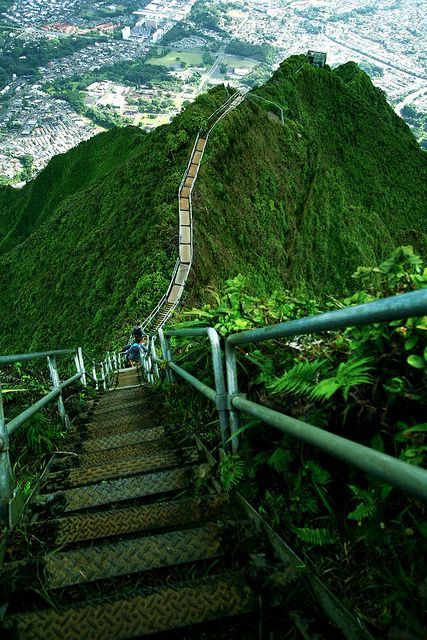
x=218 y=369
x=399 y=474
x=200 y=386
x=405 y=305
x=25 y=357
x=19 y=420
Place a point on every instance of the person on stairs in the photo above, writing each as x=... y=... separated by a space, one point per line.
x=134 y=351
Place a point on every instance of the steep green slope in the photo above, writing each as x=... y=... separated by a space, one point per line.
x=342 y=183
x=22 y=211
x=298 y=205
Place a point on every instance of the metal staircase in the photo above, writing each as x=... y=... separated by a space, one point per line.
x=170 y=300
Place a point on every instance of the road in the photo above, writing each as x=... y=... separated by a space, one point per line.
x=409 y=98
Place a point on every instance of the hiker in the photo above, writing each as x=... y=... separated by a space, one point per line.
x=137 y=333
x=134 y=351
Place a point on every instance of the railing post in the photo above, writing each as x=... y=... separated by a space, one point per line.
x=166 y=353
x=103 y=373
x=115 y=361
x=82 y=366
x=6 y=475
x=154 y=357
x=221 y=399
x=233 y=390
x=94 y=376
x=53 y=369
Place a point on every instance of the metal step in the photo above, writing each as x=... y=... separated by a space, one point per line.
x=140 y=615
x=93 y=526
x=122 y=468
x=114 y=491
x=87 y=564
x=124 y=452
x=125 y=438
x=122 y=424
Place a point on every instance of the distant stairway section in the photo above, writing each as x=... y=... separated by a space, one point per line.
x=161 y=313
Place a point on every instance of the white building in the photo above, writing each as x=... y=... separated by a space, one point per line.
x=126 y=33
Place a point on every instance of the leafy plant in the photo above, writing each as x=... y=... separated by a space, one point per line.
x=231 y=470
x=349 y=374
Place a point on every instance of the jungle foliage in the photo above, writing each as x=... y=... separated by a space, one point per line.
x=89 y=245
x=367 y=384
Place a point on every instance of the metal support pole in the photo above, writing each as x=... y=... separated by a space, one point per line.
x=103 y=373
x=6 y=475
x=165 y=354
x=77 y=362
x=115 y=361
x=219 y=384
x=154 y=357
x=95 y=379
x=233 y=390
x=82 y=366
x=53 y=369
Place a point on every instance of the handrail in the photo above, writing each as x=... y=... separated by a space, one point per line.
x=8 y=490
x=14 y=424
x=398 y=473
x=25 y=357
x=219 y=394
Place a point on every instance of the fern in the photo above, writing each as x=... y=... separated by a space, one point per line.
x=315 y=537
x=280 y=459
x=349 y=374
x=299 y=380
x=318 y=474
x=231 y=470
x=367 y=506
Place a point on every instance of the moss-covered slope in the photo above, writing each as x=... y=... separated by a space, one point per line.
x=296 y=205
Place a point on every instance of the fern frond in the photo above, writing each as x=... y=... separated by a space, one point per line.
x=349 y=374
x=316 y=537
x=318 y=474
x=231 y=471
x=280 y=459
x=299 y=380
x=366 y=507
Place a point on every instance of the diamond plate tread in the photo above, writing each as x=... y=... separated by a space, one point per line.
x=137 y=616
x=122 y=425
x=123 y=452
x=92 y=526
x=114 y=491
x=122 y=468
x=122 y=439
x=119 y=406
x=65 y=568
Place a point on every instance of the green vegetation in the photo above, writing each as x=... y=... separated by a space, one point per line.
x=417 y=120
x=89 y=245
x=23 y=59
x=261 y=52
x=367 y=384
x=173 y=58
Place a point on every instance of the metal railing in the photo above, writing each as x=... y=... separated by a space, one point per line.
x=101 y=373
x=230 y=402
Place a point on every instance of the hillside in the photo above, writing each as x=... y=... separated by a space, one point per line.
x=90 y=244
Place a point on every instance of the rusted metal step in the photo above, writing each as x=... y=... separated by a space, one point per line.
x=122 y=424
x=124 y=405
x=80 y=476
x=106 y=524
x=141 y=614
x=121 y=453
x=88 y=564
x=123 y=489
x=125 y=438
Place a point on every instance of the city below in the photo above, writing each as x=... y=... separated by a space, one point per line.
x=74 y=68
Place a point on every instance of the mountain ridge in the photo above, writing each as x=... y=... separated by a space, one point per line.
x=298 y=205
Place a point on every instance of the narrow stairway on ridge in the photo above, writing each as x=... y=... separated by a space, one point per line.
x=131 y=537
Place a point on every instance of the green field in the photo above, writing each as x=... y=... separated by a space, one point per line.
x=237 y=61
x=191 y=58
